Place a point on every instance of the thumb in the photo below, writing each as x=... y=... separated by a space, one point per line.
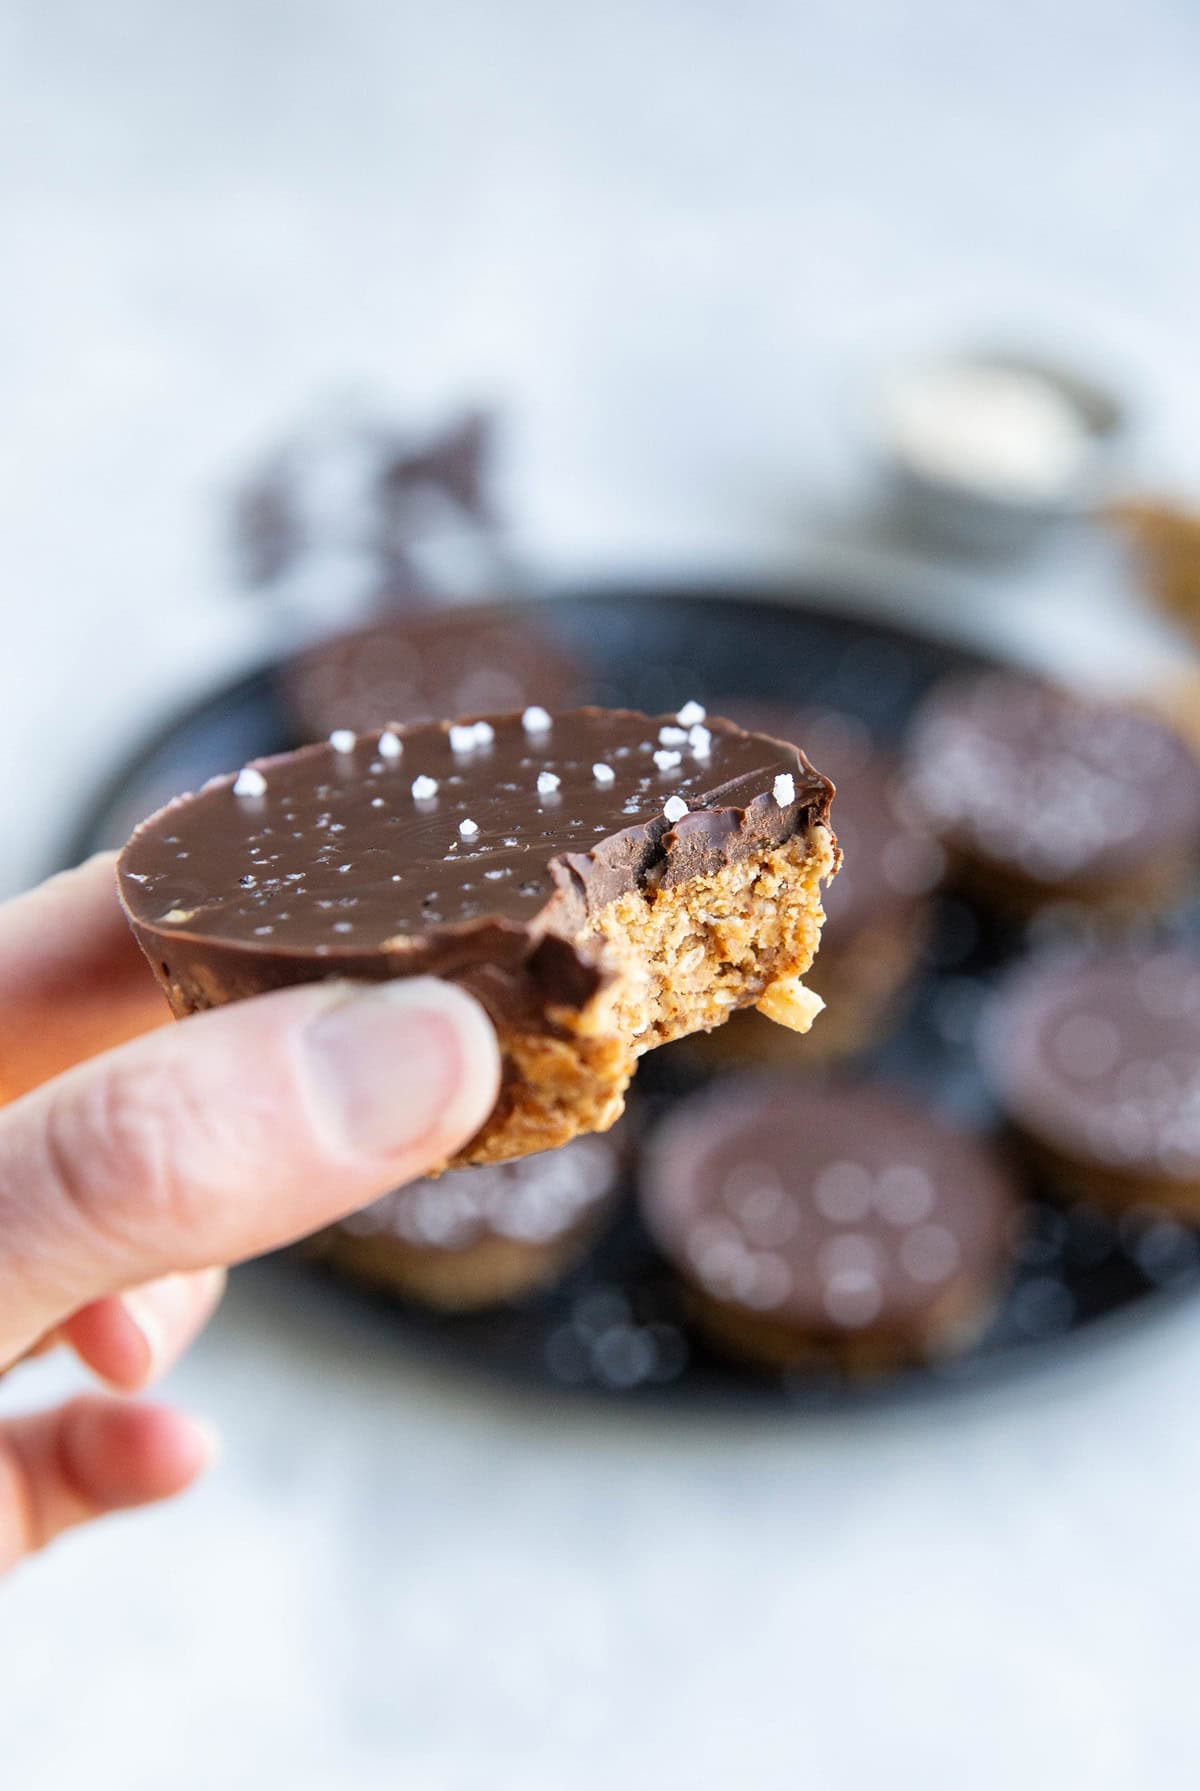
x=234 y=1132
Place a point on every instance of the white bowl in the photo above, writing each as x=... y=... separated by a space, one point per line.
x=946 y=487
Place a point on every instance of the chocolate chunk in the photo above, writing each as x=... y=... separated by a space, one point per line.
x=457 y=463
x=351 y=507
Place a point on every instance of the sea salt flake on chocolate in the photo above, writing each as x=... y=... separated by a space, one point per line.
x=424 y=788
x=390 y=745
x=770 y=1282
x=672 y=736
x=841 y=1192
x=548 y=782
x=249 y=782
x=468 y=829
x=904 y=1194
x=535 y=720
x=485 y=733
x=691 y=714
x=852 y=1297
x=342 y=740
x=667 y=761
x=462 y=737
x=784 y=789
x=604 y=774
x=675 y=809
x=930 y=1253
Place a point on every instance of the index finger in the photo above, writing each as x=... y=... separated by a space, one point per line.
x=72 y=979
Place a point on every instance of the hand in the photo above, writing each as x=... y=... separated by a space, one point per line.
x=136 y=1155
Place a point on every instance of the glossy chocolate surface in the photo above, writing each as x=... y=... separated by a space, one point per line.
x=435 y=842
x=833 y=1209
x=532 y=1201
x=423 y=668
x=1055 y=787
x=1101 y=1059
x=891 y=859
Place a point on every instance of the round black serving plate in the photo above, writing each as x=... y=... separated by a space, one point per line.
x=617 y=1325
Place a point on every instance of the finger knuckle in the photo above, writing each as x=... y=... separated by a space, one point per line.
x=116 y=1143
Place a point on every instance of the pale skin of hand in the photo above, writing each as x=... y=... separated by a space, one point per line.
x=138 y=1157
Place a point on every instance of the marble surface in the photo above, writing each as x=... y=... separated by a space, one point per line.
x=672 y=241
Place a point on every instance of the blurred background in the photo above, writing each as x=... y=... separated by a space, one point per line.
x=878 y=312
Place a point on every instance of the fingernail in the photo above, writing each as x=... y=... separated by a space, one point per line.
x=208 y=1441
x=167 y=1311
x=139 y=1310
x=207 y=1286
x=400 y=1066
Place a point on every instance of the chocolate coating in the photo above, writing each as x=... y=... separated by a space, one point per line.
x=1048 y=785
x=414 y=669
x=535 y=1200
x=337 y=860
x=826 y=1210
x=1100 y=1060
x=891 y=860
x=890 y=864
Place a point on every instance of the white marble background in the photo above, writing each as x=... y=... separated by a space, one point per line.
x=672 y=240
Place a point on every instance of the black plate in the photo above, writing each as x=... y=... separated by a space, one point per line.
x=616 y=1324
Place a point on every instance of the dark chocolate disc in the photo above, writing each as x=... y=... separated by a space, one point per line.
x=532 y=1201
x=1100 y=1059
x=825 y=1210
x=1048 y=785
x=415 y=669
